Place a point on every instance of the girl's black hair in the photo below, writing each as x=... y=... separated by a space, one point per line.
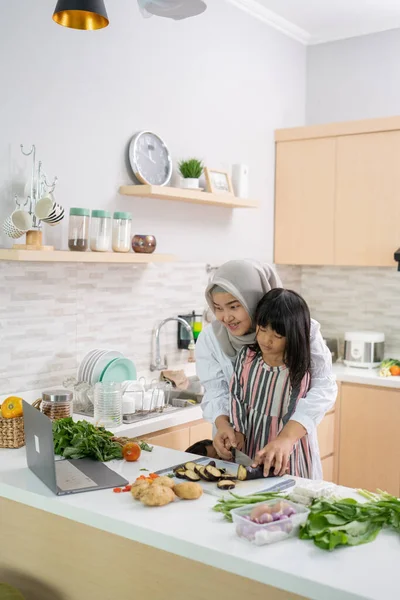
x=287 y=313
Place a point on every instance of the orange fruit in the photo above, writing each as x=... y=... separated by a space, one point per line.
x=395 y=370
x=131 y=451
x=11 y=407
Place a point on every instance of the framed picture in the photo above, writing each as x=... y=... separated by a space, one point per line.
x=218 y=182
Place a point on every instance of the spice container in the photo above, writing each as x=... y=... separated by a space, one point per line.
x=121 y=234
x=100 y=231
x=78 y=229
x=57 y=404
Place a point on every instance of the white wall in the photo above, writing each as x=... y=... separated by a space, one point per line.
x=215 y=86
x=353 y=79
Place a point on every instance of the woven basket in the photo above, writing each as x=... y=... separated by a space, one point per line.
x=12 y=433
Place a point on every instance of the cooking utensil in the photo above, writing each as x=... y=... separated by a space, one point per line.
x=240 y=458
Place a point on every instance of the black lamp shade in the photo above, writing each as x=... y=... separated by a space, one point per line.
x=81 y=14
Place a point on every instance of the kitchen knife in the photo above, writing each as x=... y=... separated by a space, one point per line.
x=241 y=458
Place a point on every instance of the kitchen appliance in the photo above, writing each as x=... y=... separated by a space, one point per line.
x=333 y=345
x=364 y=349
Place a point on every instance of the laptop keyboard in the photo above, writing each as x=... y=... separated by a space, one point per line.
x=70 y=478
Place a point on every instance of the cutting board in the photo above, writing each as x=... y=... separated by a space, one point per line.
x=243 y=488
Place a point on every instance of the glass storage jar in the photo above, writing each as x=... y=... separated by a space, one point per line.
x=121 y=235
x=100 y=231
x=57 y=404
x=78 y=229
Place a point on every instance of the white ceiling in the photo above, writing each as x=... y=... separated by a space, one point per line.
x=317 y=21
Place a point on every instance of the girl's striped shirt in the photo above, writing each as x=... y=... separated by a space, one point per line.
x=262 y=402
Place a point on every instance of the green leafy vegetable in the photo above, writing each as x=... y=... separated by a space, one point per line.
x=145 y=446
x=386 y=365
x=143 y=469
x=81 y=439
x=346 y=522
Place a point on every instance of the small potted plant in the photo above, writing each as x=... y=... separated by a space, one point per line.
x=190 y=171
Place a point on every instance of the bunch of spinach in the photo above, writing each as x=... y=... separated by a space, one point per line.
x=83 y=440
x=346 y=522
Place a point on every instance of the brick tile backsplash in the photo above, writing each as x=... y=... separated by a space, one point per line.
x=52 y=315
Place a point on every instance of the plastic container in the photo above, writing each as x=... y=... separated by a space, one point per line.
x=268 y=533
x=78 y=229
x=100 y=231
x=121 y=234
x=108 y=404
x=57 y=404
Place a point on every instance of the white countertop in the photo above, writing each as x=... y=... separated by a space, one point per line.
x=193 y=530
x=153 y=424
x=364 y=376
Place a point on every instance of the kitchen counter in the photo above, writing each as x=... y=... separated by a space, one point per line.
x=364 y=376
x=181 y=550
x=154 y=423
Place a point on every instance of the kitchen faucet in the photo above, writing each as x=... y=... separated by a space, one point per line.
x=158 y=365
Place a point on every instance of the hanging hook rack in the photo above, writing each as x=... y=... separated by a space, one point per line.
x=39 y=186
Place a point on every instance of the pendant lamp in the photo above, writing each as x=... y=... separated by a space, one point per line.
x=81 y=14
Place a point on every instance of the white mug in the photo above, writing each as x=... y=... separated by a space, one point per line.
x=17 y=224
x=48 y=211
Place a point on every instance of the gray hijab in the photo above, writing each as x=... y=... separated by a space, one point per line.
x=248 y=281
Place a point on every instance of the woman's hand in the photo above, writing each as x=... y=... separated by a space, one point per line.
x=225 y=438
x=275 y=454
x=239 y=440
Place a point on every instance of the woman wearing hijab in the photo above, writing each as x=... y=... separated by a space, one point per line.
x=233 y=295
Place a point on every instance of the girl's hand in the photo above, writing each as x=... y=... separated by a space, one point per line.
x=275 y=454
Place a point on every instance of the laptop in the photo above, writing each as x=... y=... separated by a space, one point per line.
x=62 y=476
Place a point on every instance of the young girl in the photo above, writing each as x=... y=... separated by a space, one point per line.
x=269 y=379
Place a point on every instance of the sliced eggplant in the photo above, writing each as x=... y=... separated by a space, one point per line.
x=213 y=473
x=249 y=473
x=191 y=475
x=228 y=477
x=212 y=463
x=226 y=484
x=201 y=470
x=190 y=466
x=180 y=473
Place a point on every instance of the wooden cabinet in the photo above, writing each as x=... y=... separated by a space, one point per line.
x=369 y=442
x=328 y=469
x=367 y=213
x=326 y=435
x=176 y=440
x=202 y=431
x=182 y=436
x=336 y=194
x=304 y=202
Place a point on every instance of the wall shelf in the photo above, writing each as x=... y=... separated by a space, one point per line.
x=184 y=195
x=84 y=257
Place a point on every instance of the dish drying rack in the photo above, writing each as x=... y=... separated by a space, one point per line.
x=158 y=398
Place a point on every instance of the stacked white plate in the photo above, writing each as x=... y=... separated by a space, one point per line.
x=94 y=364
